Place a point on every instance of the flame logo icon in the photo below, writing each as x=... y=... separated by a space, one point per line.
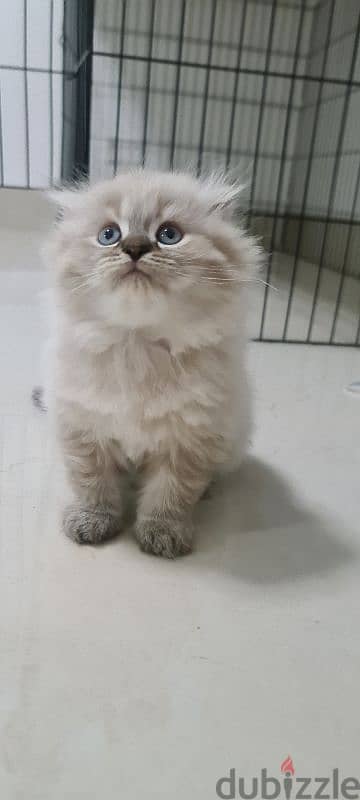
x=288 y=766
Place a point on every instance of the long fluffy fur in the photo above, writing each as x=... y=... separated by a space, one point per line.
x=149 y=371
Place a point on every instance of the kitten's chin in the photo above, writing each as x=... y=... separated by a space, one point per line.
x=134 y=276
x=136 y=303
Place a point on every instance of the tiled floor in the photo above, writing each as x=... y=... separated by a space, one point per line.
x=124 y=676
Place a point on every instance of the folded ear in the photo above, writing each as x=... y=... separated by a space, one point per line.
x=223 y=193
x=67 y=198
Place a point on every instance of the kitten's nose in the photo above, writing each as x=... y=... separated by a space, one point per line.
x=136 y=246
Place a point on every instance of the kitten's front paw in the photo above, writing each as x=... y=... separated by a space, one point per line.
x=90 y=525
x=164 y=537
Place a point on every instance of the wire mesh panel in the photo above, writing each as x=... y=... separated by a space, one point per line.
x=78 y=41
x=45 y=86
x=268 y=88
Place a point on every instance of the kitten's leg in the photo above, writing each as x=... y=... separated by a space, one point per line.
x=97 y=478
x=171 y=488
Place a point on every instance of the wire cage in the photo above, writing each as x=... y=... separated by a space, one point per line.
x=269 y=88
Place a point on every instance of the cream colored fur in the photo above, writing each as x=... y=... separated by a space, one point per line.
x=149 y=370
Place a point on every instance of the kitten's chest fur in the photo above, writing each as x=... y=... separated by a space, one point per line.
x=136 y=390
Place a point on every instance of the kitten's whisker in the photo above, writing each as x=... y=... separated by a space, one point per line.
x=209 y=278
x=80 y=286
x=265 y=283
x=91 y=280
x=179 y=269
x=221 y=279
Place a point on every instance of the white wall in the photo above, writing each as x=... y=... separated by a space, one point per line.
x=39 y=131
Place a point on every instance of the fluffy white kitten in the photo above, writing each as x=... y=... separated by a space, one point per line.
x=149 y=369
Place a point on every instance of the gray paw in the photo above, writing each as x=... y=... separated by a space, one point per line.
x=164 y=537
x=90 y=525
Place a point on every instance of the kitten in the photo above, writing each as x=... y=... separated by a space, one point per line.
x=149 y=365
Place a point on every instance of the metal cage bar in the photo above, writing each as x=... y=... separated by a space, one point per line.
x=249 y=83
x=78 y=31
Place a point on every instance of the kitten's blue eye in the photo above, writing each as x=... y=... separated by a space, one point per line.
x=109 y=235
x=168 y=234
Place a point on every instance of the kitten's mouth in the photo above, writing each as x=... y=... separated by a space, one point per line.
x=134 y=272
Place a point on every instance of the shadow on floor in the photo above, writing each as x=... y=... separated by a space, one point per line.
x=256 y=529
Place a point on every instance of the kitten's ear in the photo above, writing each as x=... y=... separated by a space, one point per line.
x=66 y=198
x=223 y=193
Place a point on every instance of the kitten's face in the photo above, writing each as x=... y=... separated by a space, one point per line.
x=129 y=249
